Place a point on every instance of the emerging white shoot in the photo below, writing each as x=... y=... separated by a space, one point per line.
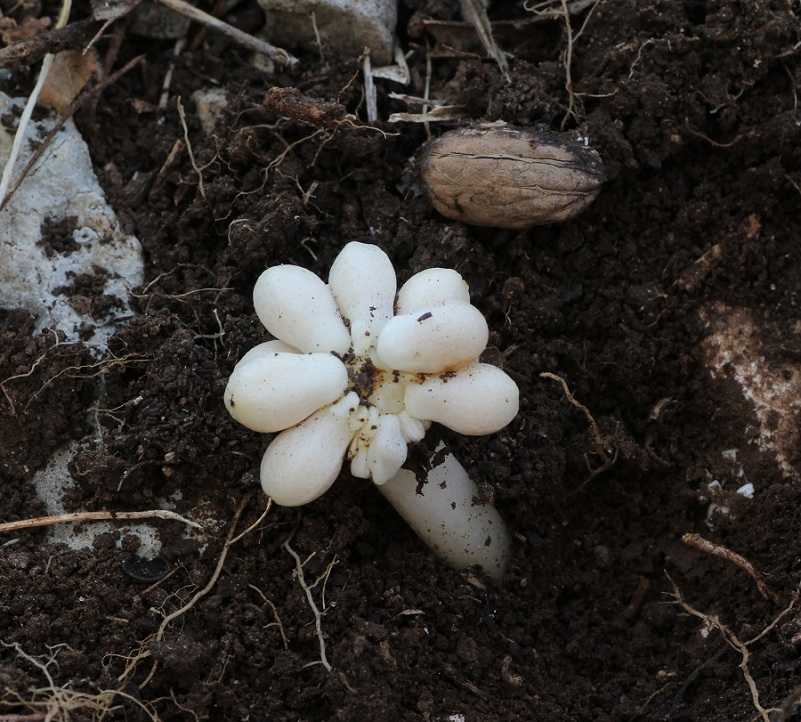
x=358 y=373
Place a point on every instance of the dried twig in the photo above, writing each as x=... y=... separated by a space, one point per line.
x=85 y=95
x=279 y=55
x=27 y=112
x=31 y=50
x=718 y=550
x=84 y=516
x=166 y=83
x=370 y=98
x=475 y=12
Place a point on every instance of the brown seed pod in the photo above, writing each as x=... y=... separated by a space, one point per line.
x=510 y=177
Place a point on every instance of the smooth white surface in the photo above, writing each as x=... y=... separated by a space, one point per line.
x=433 y=340
x=480 y=399
x=271 y=390
x=431 y=288
x=297 y=307
x=448 y=519
x=362 y=281
x=301 y=463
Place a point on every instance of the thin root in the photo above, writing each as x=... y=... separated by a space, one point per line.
x=318 y=627
x=54 y=702
x=607 y=460
x=84 y=516
x=713 y=622
x=158 y=636
x=697 y=542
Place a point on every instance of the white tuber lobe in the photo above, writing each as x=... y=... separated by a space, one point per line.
x=387 y=450
x=449 y=519
x=433 y=340
x=297 y=307
x=263 y=392
x=301 y=463
x=266 y=348
x=431 y=287
x=480 y=399
x=362 y=281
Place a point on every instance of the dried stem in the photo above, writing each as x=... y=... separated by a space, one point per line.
x=31 y=50
x=63 y=118
x=717 y=550
x=84 y=516
x=279 y=55
x=27 y=112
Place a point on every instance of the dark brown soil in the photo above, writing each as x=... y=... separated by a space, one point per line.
x=649 y=305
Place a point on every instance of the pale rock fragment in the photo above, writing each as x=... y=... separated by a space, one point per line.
x=350 y=26
x=62 y=187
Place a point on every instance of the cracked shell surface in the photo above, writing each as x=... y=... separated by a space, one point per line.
x=510 y=177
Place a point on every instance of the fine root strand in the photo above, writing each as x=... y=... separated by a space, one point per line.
x=301 y=577
x=712 y=621
x=718 y=550
x=607 y=460
x=232 y=538
x=56 y=702
x=85 y=516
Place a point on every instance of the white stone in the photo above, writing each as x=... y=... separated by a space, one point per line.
x=52 y=484
x=60 y=186
x=210 y=103
x=350 y=26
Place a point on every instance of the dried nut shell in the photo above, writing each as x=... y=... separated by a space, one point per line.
x=510 y=177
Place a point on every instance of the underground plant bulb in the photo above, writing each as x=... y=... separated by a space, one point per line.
x=358 y=372
x=447 y=518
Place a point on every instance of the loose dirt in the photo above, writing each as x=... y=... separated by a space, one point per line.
x=669 y=307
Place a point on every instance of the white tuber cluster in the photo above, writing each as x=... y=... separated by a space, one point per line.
x=357 y=372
